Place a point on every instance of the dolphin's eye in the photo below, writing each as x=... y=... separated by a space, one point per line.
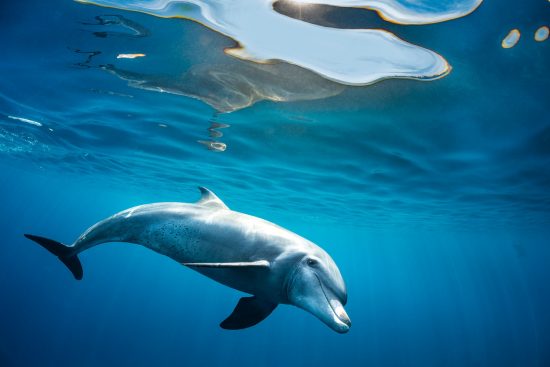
x=311 y=262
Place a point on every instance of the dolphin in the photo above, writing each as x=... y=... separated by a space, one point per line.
x=272 y=264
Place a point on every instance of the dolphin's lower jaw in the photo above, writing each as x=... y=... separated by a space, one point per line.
x=342 y=323
x=334 y=317
x=326 y=308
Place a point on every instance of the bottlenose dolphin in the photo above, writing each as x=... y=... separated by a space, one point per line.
x=243 y=252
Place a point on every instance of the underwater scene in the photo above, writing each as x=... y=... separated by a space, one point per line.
x=275 y=183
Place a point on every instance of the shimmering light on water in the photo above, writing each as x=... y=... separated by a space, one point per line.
x=129 y=56
x=332 y=53
x=25 y=120
x=407 y=12
x=229 y=85
x=216 y=146
x=511 y=39
x=542 y=34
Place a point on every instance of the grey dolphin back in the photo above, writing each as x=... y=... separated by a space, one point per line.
x=248 y=312
x=63 y=253
x=67 y=254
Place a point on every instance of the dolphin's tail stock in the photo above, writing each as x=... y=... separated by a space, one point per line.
x=63 y=252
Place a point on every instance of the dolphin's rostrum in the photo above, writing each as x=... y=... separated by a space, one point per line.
x=244 y=252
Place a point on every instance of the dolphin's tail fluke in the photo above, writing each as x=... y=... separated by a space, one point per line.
x=64 y=253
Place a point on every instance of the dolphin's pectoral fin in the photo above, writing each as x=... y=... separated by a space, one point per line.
x=248 y=312
x=249 y=264
x=209 y=199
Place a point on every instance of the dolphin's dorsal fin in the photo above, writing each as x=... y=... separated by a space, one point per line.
x=209 y=199
x=242 y=264
x=248 y=312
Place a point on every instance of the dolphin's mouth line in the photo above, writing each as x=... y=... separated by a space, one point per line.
x=328 y=301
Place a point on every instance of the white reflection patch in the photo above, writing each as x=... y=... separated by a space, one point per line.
x=216 y=146
x=541 y=34
x=27 y=121
x=129 y=56
x=408 y=12
x=511 y=39
x=346 y=56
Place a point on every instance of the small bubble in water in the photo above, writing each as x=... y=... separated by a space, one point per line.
x=216 y=146
x=511 y=39
x=542 y=34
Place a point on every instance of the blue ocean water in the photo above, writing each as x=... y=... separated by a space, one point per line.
x=432 y=197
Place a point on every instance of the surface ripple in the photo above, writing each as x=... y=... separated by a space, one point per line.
x=469 y=147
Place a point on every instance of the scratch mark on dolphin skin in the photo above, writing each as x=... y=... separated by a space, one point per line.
x=130 y=213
